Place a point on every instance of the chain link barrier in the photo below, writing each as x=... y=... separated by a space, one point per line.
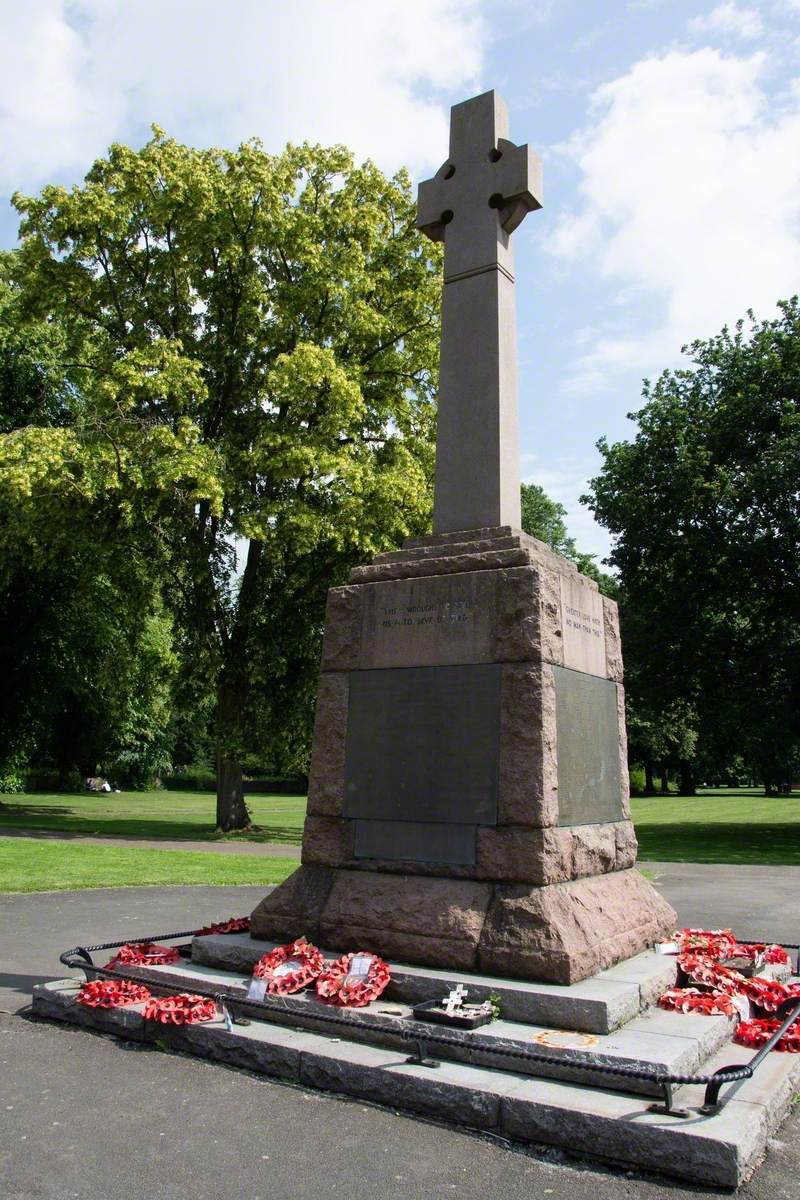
x=80 y=958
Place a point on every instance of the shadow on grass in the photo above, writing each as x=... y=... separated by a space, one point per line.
x=761 y=843
x=289 y=834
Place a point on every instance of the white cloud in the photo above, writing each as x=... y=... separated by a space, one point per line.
x=729 y=20
x=691 y=190
x=76 y=74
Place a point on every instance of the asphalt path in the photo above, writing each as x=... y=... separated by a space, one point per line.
x=82 y=1115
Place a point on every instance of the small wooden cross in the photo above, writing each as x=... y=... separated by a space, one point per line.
x=455 y=999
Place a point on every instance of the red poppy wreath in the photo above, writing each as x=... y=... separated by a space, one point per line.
x=182 y=1009
x=354 y=979
x=112 y=993
x=143 y=954
x=710 y=1004
x=702 y=957
x=757 y=1033
x=232 y=925
x=289 y=968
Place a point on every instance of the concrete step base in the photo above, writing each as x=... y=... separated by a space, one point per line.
x=597 y=1005
x=669 y=1042
x=720 y=1150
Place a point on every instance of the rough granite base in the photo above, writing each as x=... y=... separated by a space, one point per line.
x=468 y=794
x=561 y=933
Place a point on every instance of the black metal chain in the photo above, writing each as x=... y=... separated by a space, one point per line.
x=79 y=957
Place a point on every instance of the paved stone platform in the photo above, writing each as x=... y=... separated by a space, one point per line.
x=720 y=1150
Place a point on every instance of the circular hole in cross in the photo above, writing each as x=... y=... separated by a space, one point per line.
x=496 y=200
x=495 y=155
x=446 y=216
x=450 y=172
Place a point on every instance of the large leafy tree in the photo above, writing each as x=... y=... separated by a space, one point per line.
x=85 y=648
x=705 y=510
x=251 y=342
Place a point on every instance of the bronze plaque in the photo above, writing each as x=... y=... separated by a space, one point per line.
x=587 y=728
x=423 y=745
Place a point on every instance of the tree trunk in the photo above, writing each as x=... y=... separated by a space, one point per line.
x=232 y=698
x=687 y=783
x=231 y=809
x=664 y=781
x=649 y=781
x=233 y=694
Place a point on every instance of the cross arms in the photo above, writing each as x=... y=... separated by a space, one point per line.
x=507 y=178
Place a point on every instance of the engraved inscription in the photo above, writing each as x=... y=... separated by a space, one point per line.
x=423 y=746
x=454 y=613
x=429 y=622
x=582 y=627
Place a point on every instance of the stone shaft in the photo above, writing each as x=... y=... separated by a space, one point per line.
x=477 y=457
x=475 y=201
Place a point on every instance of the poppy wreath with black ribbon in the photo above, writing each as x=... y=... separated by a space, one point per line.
x=143 y=954
x=181 y=1009
x=309 y=963
x=233 y=925
x=112 y=993
x=337 y=986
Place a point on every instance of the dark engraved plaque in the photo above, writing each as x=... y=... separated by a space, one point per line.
x=416 y=841
x=423 y=745
x=587 y=725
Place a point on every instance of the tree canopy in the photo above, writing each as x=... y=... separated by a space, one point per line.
x=247 y=347
x=704 y=507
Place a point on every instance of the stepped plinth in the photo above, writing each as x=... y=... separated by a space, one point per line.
x=468 y=798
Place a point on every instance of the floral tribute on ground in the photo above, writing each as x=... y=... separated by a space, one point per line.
x=354 y=979
x=722 y=972
x=143 y=954
x=182 y=1009
x=289 y=968
x=112 y=993
x=232 y=925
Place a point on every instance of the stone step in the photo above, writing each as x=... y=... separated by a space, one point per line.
x=418 y=553
x=477 y=560
x=485 y=533
x=667 y=1042
x=597 y=1005
x=719 y=1150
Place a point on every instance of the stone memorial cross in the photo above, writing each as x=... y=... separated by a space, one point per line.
x=474 y=203
x=468 y=798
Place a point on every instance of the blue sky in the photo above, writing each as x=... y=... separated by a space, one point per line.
x=669 y=130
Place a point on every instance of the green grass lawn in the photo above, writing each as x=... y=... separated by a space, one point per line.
x=722 y=826
x=151 y=815
x=27 y=865
x=728 y=825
